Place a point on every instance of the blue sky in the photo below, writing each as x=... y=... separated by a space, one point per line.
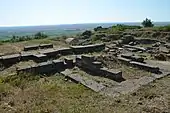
x=49 y=12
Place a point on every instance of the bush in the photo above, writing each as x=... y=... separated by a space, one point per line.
x=147 y=23
x=87 y=33
x=98 y=28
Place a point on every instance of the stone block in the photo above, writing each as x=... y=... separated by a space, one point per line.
x=111 y=74
x=44 y=67
x=45 y=46
x=10 y=59
x=147 y=67
x=69 y=63
x=26 y=56
x=50 y=52
x=133 y=57
x=124 y=60
x=24 y=69
x=40 y=58
x=97 y=64
x=88 y=48
x=65 y=51
x=135 y=47
x=58 y=65
x=32 y=47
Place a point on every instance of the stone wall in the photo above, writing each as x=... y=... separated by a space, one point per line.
x=43 y=68
x=88 y=48
x=86 y=64
x=35 y=47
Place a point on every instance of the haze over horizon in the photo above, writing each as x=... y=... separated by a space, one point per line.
x=55 y=12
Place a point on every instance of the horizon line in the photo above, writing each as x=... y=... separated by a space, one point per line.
x=6 y=26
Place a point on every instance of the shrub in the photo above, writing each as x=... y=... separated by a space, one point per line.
x=147 y=23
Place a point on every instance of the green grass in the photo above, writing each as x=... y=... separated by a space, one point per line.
x=54 y=94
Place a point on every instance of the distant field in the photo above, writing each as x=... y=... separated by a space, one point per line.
x=57 y=30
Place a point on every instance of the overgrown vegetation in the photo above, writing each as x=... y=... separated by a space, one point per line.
x=162 y=28
x=14 y=38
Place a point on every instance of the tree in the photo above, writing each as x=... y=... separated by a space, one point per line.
x=147 y=23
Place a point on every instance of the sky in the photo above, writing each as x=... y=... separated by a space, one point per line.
x=52 y=12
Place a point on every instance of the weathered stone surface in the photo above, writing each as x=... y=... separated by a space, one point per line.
x=50 y=52
x=167 y=45
x=135 y=47
x=126 y=39
x=59 y=65
x=91 y=84
x=146 y=41
x=156 y=44
x=160 y=56
x=65 y=51
x=24 y=69
x=69 y=63
x=132 y=49
x=10 y=59
x=111 y=46
x=97 y=64
x=111 y=74
x=43 y=68
x=40 y=57
x=124 y=60
x=88 y=66
x=70 y=40
x=43 y=46
x=26 y=56
x=133 y=57
x=0 y=59
x=32 y=47
x=164 y=50
x=147 y=67
x=88 y=48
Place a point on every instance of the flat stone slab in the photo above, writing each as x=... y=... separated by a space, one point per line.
x=163 y=65
x=135 y=47
x=124 y=60
x=151 y=68
x=50 y=52
x=42 y=46
x=40 y=55
x=10 y=56
x=88 y=48
x=91 y=84
x=32 y=47
x=112 y=73
x=133 y=57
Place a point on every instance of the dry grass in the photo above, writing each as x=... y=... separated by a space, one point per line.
x=53 y=95
x=11 y=48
